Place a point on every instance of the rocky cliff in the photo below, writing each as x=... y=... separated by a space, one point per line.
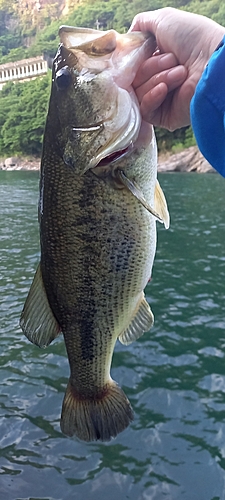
x=189 y=160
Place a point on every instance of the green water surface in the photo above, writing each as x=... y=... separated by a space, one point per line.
x=174 y=376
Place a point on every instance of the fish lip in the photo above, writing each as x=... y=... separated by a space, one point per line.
x=124 y=145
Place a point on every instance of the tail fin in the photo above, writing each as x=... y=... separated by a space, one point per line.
x=97 y=419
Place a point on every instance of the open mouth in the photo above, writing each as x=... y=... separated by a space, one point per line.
x=117 y=155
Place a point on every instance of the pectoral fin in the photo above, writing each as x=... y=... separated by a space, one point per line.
x=160 y=205
x=142 y=322
x=37 y=320
x=136 y=191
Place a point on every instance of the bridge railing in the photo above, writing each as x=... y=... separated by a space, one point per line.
x=25 y=69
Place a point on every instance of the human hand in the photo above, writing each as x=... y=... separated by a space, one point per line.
x=165 y=83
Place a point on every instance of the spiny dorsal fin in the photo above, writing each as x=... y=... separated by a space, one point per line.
x=37 y=320
x=160 y=205
x=141 y=323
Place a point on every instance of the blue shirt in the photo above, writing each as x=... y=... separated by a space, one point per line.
x=208 y=110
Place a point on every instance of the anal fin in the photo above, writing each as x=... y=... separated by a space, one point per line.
x=37 y=320
x=142 y=322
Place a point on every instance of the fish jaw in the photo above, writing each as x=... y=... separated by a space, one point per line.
x=122 y=54
x=97 y=113
x=124 y=132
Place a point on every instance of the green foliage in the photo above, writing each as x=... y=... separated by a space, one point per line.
x=9 y=42
x=181 y=138
x=111 y=14
x=189 y=139
x=115 y=14
x=7 y=5
x=203 y=7
x=24 y=105
x=22 y=119
x=46 y=41
x=214 y=9
x=16 y=55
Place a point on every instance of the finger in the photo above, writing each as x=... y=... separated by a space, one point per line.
x=176 y=76
x=145 y=21
x=152 y=101
x=152 y=66
x=172 y=78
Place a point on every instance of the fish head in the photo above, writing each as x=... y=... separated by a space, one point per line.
x=93 y=109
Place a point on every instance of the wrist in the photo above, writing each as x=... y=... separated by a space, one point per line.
x=217 y=40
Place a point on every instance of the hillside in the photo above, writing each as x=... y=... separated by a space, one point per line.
x=29 y=28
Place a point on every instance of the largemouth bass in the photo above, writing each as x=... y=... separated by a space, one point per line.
x=99 y=202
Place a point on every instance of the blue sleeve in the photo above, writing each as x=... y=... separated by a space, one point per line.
x=208 y=110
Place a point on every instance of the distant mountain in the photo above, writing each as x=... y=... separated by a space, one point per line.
x=36 y=10
x=32 y=13
x=60 y=7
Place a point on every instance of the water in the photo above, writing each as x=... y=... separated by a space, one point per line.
x=173 y=376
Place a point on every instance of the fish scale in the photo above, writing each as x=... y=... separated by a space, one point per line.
x=97 y=227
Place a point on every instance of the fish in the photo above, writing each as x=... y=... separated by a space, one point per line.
x=98 y=206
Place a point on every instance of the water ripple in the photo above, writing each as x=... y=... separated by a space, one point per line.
x=174 y=375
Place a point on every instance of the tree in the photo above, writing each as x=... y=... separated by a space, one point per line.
x=24 y=107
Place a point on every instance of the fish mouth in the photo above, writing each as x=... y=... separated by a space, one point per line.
x=123 y=142
x=108 y=166
x=116 y=156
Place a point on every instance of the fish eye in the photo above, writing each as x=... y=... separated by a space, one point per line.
x=63 y=78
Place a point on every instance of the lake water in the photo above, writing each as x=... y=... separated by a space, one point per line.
x=173 y=376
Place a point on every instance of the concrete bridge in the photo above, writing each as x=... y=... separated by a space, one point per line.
x=21 y=71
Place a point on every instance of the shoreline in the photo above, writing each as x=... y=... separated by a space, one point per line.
x=188 y=160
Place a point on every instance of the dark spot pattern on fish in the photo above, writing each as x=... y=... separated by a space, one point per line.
x=87 y=326
x=97 y=241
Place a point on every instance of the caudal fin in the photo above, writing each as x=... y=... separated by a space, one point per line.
x=96 y=419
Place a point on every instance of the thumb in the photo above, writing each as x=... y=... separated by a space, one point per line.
x=145 y=21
